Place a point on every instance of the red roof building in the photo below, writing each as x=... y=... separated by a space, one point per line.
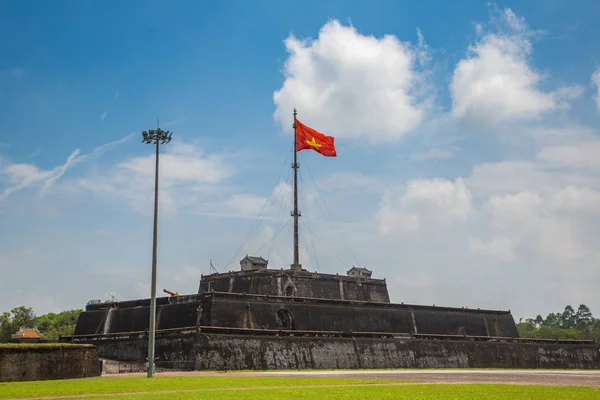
x=27 y=335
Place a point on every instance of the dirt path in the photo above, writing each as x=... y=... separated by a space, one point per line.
x=589 y=378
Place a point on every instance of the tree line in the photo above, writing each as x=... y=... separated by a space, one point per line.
x=51 y=325
x=568 y=324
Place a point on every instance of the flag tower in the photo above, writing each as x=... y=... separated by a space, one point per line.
x=306 y=138
x=296 y=266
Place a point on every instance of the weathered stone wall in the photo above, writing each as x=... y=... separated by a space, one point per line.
x=134 y=316
x=286 y=282
x=42 y=362
x=234 y=352
x=176 y=351
x=257 y=313
x=242 y=352
x=91 y=322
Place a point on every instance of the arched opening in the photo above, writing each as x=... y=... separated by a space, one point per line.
x=284 y=320
x=289 y=290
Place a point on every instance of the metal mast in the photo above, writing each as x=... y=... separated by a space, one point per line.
x=296 y=266
x=155 y=137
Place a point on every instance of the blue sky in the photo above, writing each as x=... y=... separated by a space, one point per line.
x=465 y=131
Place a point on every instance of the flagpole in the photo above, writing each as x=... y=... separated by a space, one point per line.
x=296 y=265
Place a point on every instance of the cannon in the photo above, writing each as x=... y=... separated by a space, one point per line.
x=171 y=293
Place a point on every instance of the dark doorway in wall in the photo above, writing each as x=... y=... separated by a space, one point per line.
x=284 y=320
x=289 y=290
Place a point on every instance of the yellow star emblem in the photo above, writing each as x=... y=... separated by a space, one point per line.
x=313 y=143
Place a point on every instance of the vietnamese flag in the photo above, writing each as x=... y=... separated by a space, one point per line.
x=308 y=138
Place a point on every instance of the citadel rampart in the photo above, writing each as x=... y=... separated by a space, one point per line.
x=221 y=351
x=33 y=362
x=278 y=319
x=230 y=310
x=285 y=282
x=271 y=312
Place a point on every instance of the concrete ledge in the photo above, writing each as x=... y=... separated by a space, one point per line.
x=32 y=362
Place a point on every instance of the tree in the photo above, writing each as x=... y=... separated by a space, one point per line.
x=583 y=318
x=19 y=317
x=566 y=325
x=526 y=329
x=53 y=325
x=22 y=317
x=567 y=319
x=5 y=327
x=552 y=320
x=539 y=321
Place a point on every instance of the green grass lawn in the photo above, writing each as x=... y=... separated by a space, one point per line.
x=158 y=383
x=207 y=387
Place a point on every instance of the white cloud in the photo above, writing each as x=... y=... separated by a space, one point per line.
x=185 y=275
x=18 y=173
x=103 y=115
x=434 y=153
x=569 y=92
x=558 y=135
x=22 y=176
x=496 y=83
x=187 y=175
x=353 y=86
x=576 y=199
x=60 y=171
x=415 y=280
x=283 y=191
x=182 y=162
x=513 y=211
x=500 y=247
x=544 y=207
x=585 y=154
x=246 y=204
x=424 y=203
x=511 y=177
x=596 y=80
x=534 y=227
x=352 y=180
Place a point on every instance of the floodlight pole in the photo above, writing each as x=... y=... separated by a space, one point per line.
x=154 y=137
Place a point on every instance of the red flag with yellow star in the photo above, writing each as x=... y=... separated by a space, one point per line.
x=308 y=138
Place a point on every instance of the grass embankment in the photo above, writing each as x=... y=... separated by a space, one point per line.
x=41 y=345
x=240 y=388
